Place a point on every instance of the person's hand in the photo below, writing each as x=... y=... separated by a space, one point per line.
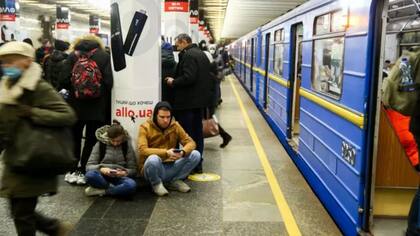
x=174 y=155
x=169 y=81
x=108 y=171
x=121 y=173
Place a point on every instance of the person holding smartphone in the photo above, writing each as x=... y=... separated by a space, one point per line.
x=112 y=164
x=161 y=163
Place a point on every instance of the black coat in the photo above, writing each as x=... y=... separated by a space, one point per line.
x=168 y=70
x=93 y=109
x=193 y=86
x=53 y=67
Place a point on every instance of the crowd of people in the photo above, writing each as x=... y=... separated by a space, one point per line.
x=44 y=87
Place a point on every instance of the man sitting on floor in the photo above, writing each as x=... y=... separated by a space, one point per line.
x=160 y=162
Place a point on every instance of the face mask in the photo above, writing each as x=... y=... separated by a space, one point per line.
x=13 y=73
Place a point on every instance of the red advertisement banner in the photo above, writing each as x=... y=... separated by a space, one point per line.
x=176 y=6
x=7 y=17
x=63 y=25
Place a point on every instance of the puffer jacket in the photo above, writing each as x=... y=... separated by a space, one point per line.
x=47 y=109
x=114 y=157
x=154 y=140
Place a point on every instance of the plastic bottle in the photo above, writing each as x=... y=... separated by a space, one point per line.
x=406 y=82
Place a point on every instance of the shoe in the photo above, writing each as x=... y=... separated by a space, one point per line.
x=71 y=178
x=179 y=185
x=226 y=140
x=64 y=229
x=160 y=190
x=81 y=180
x=91 y=191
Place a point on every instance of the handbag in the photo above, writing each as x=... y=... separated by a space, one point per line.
x=210 y=127
x=41 y=150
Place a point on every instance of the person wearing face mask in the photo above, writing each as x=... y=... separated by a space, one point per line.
x=25 y=96
x=160 y=162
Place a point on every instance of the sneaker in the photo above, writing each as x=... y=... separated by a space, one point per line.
x=71 y=178
x=179 y=185
x=160 y=190
x=91 y=191
x=81 y=180
x=64 y=229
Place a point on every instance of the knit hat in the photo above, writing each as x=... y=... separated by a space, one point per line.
x=19 y=48
x=60 y=45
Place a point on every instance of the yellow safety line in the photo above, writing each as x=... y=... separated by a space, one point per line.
x=284 y=209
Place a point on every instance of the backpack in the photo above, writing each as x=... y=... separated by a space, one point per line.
x=102 y=151
x=402 y=87
x=86 y=76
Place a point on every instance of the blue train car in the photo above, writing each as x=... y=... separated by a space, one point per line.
x=315 y=78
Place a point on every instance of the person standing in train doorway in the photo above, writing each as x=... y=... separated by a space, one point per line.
x=24 y=96
x=193 y=90
x=414 y=214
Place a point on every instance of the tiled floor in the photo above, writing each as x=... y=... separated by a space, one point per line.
x=241 y=203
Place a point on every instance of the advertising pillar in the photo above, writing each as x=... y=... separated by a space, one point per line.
x=176 y=18
x=94 y=24
x=62 y=27
x=8 y=20
x=136 y=63
x=194 y=20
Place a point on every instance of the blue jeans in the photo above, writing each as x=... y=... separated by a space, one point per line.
x=157 y=172
x=114 y=186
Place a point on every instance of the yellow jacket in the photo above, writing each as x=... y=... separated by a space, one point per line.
x=152 y=140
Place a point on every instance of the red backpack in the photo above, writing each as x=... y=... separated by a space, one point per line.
x=86 y=76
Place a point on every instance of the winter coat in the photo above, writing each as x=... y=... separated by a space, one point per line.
x=154 y=140
x=113 y=157
x=192 y=86
x=168 y=70
x=53 y=67
x=47 y=109
x=90 y=109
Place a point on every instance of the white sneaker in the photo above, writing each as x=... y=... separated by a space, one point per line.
x=80 y=179
x=160 y=190
x=71 y=178
x=179 y=185
x=91 y=191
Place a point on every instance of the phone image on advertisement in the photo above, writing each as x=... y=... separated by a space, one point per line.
x=134 y=32
x=117 y=45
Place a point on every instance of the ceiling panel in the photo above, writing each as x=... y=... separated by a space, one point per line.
x=243 y=16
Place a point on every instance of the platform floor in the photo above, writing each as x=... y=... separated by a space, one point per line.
x=241 y=203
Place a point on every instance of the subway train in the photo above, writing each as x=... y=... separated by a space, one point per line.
x=315 y=73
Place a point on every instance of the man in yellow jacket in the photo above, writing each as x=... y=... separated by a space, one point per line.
x=160 y=161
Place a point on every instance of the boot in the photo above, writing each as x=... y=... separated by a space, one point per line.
x=225 y=136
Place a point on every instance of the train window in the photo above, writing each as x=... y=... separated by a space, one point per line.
x=327 y=73
x=410 y=37
x=331 y=22
x=278 y=52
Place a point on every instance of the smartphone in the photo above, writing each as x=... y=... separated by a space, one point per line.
x=134 y=32
x=117 y=45
x=177 y=150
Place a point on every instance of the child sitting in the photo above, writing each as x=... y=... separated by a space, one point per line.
x=112 y=163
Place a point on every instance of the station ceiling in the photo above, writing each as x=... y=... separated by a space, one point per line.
x=235 y=18
x=226 y=18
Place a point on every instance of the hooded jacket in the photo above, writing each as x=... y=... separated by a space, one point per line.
x=53 y=67
x=92 y=109
x=47 y=109
x=114 y=157
x=153 y=140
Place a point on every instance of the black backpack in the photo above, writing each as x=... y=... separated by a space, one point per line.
x=102 y=151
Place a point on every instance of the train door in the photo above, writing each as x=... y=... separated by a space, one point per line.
x=394 y=180
x=240 y=60
x=251 y=76
x=296 y=76
x=244 y=64
x=266 y=64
